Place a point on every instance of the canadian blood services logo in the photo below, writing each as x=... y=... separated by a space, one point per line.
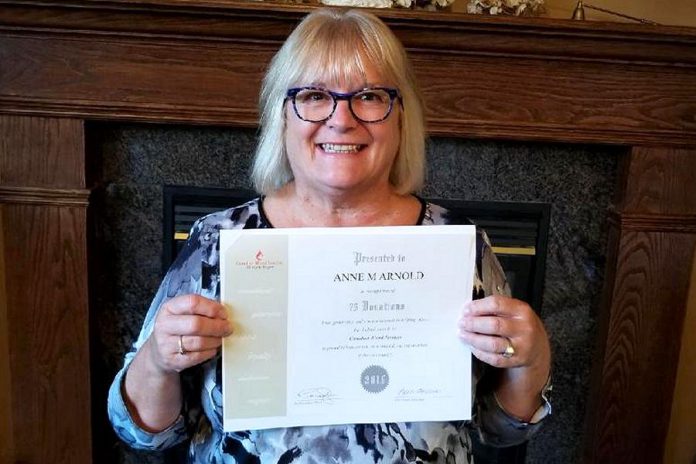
x=258 y=261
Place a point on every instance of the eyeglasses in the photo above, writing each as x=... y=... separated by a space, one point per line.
x=314 y=104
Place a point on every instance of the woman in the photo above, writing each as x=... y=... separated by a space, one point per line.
x=342 y=144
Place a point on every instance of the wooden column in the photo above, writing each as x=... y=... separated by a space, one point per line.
x=652 y=240
x=43 y=206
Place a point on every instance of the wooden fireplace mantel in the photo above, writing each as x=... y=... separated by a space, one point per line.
x=200 y=62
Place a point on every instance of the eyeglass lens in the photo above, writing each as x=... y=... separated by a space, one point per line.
x=370 y=105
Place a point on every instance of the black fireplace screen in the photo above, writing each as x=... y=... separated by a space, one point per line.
x=518 y=230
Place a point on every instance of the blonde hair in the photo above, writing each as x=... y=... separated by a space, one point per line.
x=336 y=45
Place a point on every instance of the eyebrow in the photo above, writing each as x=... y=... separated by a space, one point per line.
x=366 y=85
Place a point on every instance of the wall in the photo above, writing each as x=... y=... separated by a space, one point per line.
x=680 y=447
x=666 y=12
x=6 y=444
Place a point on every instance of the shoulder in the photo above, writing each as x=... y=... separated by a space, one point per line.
x=196 y=266
x=439 y=215
x=489 y=278
x=205 y=232
x=245 y=216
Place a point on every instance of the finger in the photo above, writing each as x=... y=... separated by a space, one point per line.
x=488 y=325
x=195 y=325
x=196 y=304
x=166 y=354
x=495 y=359
x=484 y=343
x=495 y=305
x=194 y=344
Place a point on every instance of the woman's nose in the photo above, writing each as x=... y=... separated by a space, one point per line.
x=342 y=117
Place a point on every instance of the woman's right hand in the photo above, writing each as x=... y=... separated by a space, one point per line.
x=152 y=387
x=192 y=322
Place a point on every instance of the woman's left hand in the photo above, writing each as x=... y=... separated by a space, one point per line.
x=493 y=324
x=489 y=324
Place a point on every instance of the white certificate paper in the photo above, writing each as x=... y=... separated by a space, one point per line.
x=345 y=325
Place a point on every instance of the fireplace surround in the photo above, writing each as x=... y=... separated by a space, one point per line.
x=67 y=62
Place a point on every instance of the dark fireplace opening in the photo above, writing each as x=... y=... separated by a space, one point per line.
x=518 y=230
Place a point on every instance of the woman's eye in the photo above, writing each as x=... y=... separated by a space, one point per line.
x=371 y=97
x=312 y=96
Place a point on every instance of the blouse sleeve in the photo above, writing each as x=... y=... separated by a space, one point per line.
x=495 y=426
x=184 y=277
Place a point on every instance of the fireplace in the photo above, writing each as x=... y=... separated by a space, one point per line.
x=133 y=200
x=631 y=87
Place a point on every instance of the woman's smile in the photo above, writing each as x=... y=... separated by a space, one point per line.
x=340 y=148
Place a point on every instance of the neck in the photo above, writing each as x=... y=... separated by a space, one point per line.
x=292 y=207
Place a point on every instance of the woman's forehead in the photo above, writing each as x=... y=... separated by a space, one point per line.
x=347 y=73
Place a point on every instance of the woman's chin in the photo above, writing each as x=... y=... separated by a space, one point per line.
x=342 y=186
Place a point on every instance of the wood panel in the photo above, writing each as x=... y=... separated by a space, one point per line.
x=100 y=78
x=44 y=273
x=645 y=302
x=41 y=151
x=556 y=99
x=662 y=182
x=49 y=341
x=643 y=342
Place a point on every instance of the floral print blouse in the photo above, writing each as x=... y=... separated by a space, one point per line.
x=196 y=270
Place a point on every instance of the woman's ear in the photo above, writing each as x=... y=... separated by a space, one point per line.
x=285 y=117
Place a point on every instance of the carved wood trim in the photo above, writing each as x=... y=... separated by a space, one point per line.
x=678 y=223
x=43 y=196
x=151 y=112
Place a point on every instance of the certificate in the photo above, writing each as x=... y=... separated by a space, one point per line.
x=345 y=325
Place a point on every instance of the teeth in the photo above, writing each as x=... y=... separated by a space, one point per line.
x=336 y=148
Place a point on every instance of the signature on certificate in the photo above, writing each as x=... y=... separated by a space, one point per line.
x=417 y=394
x=316 y=395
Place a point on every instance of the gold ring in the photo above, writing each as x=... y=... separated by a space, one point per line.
x=182 y=350
x=509 y=350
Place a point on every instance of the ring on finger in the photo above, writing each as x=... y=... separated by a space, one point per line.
x=509 y=349
x=182 y=348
